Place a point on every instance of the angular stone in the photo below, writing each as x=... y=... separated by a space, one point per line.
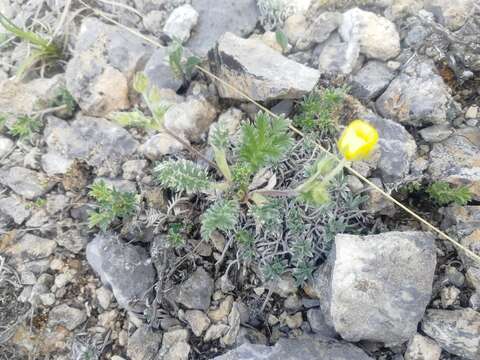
x=190 y=119
x=158 y=71
x=436 y=133
x=14 y=209
x=175 y=345
x=397 y=148
x=181 y=22
x=105 y=59
x=23 y=98
x=294 y=349
x=418 y=96
x=160 y=145
x=125 y=268
x=99 y=142
x=196 y=292
x=466 y=219
x=377 y=36
x=31 y=247
x=336 y=56
x=5 y=146
x=422 y=348
x=456 y=331
x=198 y=321
x=319 y=30
x=456 y=160
x=25 y=182
x=452 y=14
x=376 y=287
x=317 y=322
x=66 y=316
x=371 y=80
x=219 y=17
x=259 y=71
x=144 y=344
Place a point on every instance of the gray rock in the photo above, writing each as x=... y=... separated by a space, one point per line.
x=127 y=269
x=105 y=59
x=219 y=17
x=422 y=348
x=181 y=22
x=134 y=169
x=436 y=133
x=215 y=332
x=397 y=148
x=456 y=331
x=72 y=240
x=104 y=297
x=319 y=326
x=371 y=80
x=295 y=28
x=101 y=143
x=336 y=56
x=15 y=209
x=190 y=119
x=159 y=145
x=175 y=345
x=159 y=72
x=416 y=36
x=258 y=70
x=56 y=203
x=118 y=184
x=455 y=160
x=31 y=247
x=465 y=218
x=27 y=183
x=196 y=292
x=144 y=344
x=248 y=335
x=5 y=146
x=418 y=96
x=198 y=321
x=66 y=316
x=452 y=14
x=376 y=287
x=23 y=98
x=319 y=30
x=294 y=349
x=377 y=36
x=154 y=21
x=377 y=204
x=234 y=320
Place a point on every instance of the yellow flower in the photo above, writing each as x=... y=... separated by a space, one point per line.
x=357 y=140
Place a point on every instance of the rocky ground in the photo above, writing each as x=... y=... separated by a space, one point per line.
x=381 y=286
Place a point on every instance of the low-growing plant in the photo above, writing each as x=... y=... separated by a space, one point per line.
x=24 y=127
x=44 y=50
x=442 y=193
x=112 y=205
x=263 y=145
x=181 y=68
x=319 y=111
x=64 y=98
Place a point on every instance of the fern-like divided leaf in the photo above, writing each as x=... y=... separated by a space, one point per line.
x=222 y=215
x=182 y=175
x=265 y=142
x=443 y=194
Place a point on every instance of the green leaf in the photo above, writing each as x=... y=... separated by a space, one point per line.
x=182 y=175
x=134 y=118
x=274 y=269
x=443 y=194
x=175 y=59
x=282 y=40
x=222 y=215
x=112 y=205
x=190 y=65
x=219 y=141
x=265 y=142
x=140 y=82
x=24 y=127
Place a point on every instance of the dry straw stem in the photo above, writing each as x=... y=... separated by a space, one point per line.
x=425 y=222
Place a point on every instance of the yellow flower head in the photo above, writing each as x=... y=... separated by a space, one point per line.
x=357 y=140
